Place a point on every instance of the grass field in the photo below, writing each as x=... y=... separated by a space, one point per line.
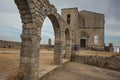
x=10 y=58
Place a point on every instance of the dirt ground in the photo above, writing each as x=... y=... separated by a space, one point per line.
x=9 y=61
x=96 y=53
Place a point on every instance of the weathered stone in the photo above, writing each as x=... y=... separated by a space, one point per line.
x=33 y=13
x=32 y=5
x=105 y=62
x=87 y=27
x=9 y=44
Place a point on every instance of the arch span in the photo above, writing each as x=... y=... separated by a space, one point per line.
x=57 y=32
x=33 y=13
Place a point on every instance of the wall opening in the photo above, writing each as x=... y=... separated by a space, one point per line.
x=46 y=50
x=68 y=18
x=50 y=55
x=47 y=32
x=83 y=22
x=67 y=44
x=82 y=42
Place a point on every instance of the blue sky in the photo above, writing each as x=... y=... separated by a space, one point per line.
x=11 y=27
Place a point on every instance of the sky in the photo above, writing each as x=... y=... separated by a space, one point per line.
x=11 y=26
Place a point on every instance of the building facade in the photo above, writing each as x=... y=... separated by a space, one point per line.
x=87 y=27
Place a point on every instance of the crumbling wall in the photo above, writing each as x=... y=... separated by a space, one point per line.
x=47 y=47
x=104 y=62
x=9 y=44
x=12 y=44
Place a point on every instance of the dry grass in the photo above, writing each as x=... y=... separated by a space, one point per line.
x=96 y=53
x=9 y=62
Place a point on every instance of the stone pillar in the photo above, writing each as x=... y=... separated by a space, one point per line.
x=58 y=52
x=49 y=42
x=29 y=60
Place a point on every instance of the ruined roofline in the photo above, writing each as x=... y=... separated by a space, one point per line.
x=90 y=12
x=81 y=11
x=70 y=8
x=10 y=41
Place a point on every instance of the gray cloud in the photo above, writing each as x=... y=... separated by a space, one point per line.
x=8 y=6
x=115 y=9
x=111 y=9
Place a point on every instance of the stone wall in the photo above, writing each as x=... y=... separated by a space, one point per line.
x=47 y=47
x=91 y=28
x=9 y=44
x=87 y=25
x=12 y=44
x=104 y=62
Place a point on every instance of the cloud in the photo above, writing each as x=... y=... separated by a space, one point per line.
x=49 y=35
x=113 y=39
x=47 y=32
x=9 y=33
x=9 y=15
x=47 y=26
x=11 y=19
x=9 y=37
x=8 y=6
x=112 y=27
x=45 y=36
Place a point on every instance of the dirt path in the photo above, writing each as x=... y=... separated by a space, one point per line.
x=77 y=71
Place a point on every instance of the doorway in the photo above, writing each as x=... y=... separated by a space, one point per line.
x=82 y=42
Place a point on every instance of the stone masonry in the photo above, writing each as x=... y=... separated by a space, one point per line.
x=9 y=44
x=73 y=28
x=33 y=14
x=17 y=45
x=112 y=62
x=87 y=28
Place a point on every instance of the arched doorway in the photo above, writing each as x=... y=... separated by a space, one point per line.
x=83 y=39
x=67 y=44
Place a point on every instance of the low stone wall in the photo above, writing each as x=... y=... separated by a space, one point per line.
x=9 y=44
x=12 y=44
x=47 y=47
x=104 y=62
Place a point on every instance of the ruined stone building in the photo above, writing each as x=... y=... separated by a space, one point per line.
x=87 y=27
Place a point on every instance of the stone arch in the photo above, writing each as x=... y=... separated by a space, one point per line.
x=57 y=32
x=33 y=14
x=27 y=10
x=29 y=55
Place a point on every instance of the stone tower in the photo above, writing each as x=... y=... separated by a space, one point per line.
x=87 y=27
x=71 y=17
